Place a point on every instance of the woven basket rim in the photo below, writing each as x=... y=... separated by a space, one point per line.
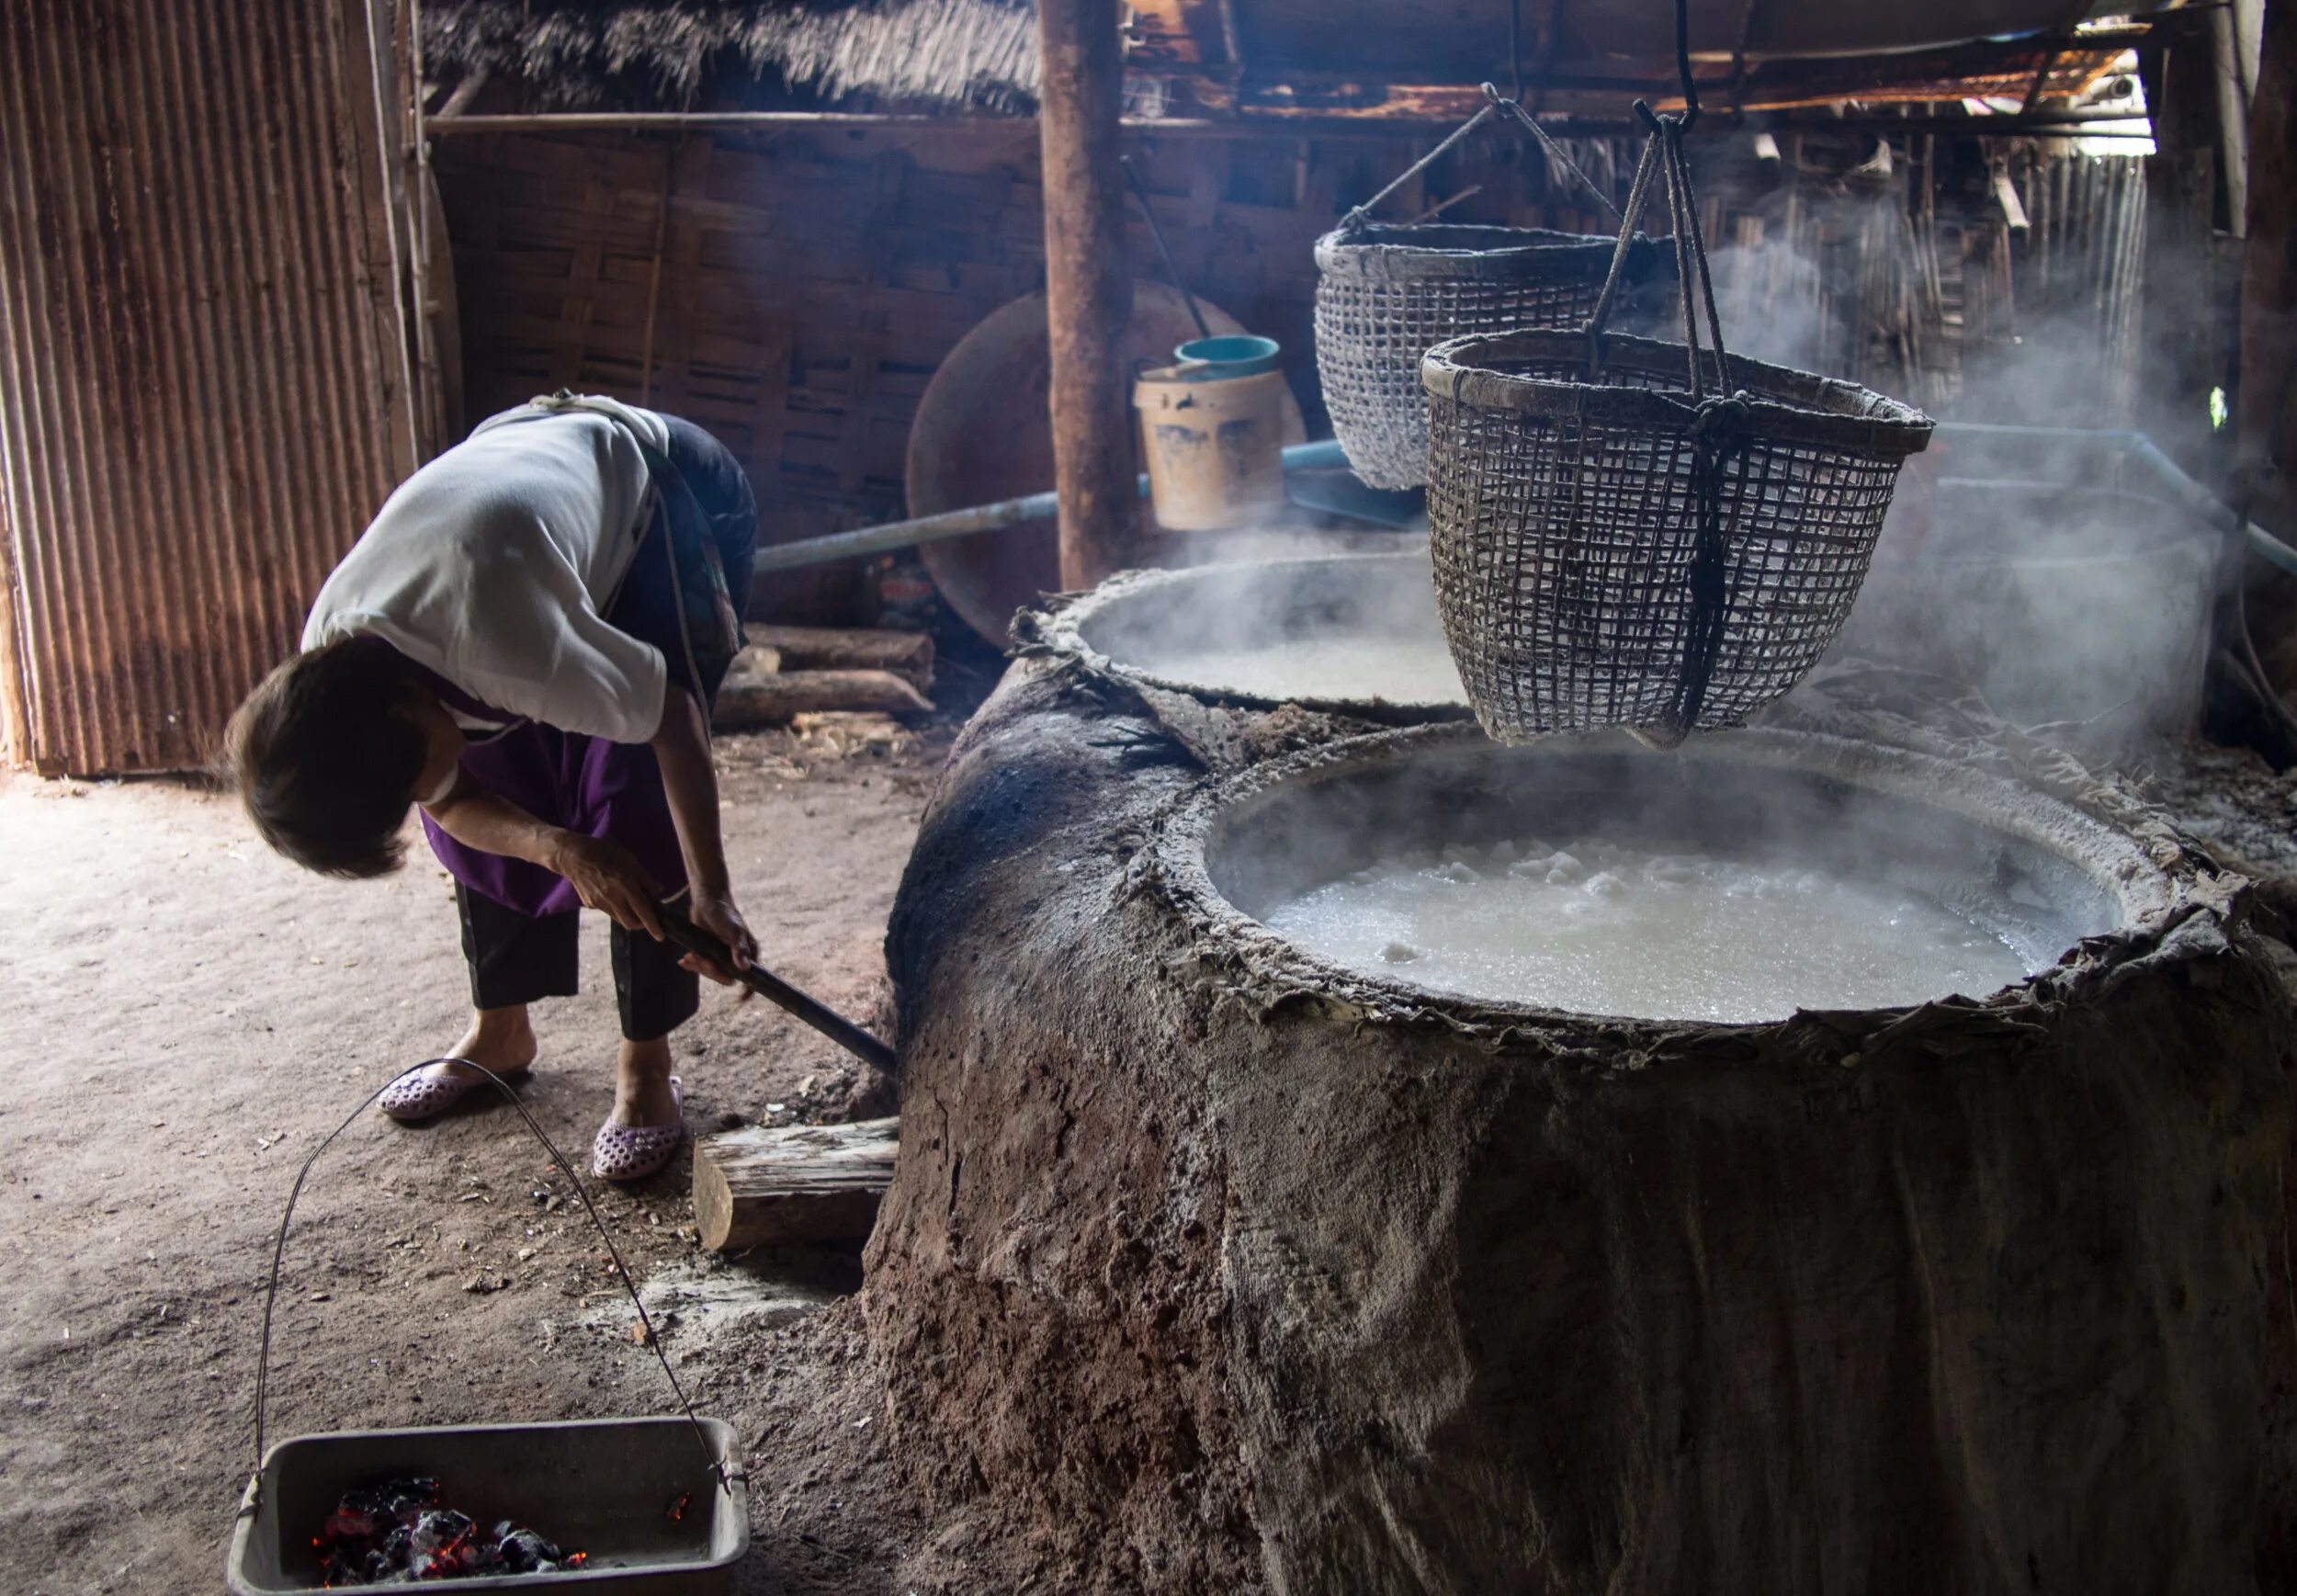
x=1783 y=403
x=1441 y=249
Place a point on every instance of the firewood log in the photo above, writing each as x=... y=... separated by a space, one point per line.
x=909 y=656
x=762 y=1185
x=750 y=698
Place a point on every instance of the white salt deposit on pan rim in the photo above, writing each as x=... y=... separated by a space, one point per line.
x=1664 y=935
x=1345 y=669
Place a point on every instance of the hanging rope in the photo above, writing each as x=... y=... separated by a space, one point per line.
x=1717 y=431
x=1495 y=103
x=1515 y=44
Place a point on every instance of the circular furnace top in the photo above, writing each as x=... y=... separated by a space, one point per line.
x=1347 y=634
x=2035 y=875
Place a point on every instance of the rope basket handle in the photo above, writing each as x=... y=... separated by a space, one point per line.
x=1495 y=105
x=1663 y=154
x=723 y=1467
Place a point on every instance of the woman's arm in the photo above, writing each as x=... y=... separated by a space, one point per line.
x=681 y=747
x=604 y=876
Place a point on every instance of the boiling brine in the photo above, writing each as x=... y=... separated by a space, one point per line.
x=1679 y=936
x=1401 y=669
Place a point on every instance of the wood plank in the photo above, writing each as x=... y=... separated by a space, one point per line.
x=768 y=1185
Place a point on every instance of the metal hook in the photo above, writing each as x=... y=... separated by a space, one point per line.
x=1682 y=62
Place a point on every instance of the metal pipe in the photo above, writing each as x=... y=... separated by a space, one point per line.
x=1325 y=455
x=2188 y=494
x=948 y=524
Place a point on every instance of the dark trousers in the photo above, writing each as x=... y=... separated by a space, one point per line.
x=518 y=958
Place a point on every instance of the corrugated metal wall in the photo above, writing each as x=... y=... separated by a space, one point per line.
x=202 y=369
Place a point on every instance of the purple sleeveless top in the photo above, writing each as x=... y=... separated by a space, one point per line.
x=611 y=790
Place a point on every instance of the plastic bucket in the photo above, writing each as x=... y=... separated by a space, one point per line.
x=1213 y=446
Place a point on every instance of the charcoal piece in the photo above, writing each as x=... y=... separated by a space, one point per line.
x=398 y=1532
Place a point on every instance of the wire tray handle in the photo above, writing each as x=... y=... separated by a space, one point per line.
x=723 y=1467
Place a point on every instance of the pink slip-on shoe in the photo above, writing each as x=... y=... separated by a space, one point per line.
x=429 y=1093
x=632 y=1152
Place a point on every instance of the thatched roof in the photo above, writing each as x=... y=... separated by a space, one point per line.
x=1350 y=59
x=672 y=54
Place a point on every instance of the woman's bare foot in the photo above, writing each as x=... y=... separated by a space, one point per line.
x=641 y=1085
x=499 y=1040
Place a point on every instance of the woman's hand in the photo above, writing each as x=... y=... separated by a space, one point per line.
x=607 y=876
x=714 y=912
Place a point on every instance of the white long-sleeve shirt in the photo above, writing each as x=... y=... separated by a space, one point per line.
x=495 y=563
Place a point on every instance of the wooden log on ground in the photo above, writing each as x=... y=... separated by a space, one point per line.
x=750 y=699
x=765 y=1185
x=909 y=656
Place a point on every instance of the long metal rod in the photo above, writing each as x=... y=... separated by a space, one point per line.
x=948 y=524
x=1324 y=456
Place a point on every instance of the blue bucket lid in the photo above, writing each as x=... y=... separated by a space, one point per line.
x=1230 y=355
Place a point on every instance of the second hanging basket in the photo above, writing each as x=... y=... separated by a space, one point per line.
x=1568 y=482
x=1388 y=294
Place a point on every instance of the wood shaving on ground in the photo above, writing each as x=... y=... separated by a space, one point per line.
x=840 y=734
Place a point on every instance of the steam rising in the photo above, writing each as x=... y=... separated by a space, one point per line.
x=1674 y=934
x=2038 y=578
x=1345 y=630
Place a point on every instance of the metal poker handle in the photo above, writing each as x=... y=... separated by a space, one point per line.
x=805 y=1006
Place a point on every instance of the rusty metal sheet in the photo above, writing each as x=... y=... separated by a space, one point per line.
x=203 y=377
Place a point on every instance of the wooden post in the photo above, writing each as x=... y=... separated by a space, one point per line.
x=1088 y=286
x=2266 y=413
x=2265 y=407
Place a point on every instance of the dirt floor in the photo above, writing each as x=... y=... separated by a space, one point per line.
x=183 y=1016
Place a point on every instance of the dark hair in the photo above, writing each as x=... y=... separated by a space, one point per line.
x=325 y=757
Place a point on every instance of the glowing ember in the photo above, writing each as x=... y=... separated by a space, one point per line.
x=392 y=1533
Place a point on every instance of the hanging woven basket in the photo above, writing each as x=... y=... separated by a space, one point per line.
x=1388 y=294
x=1578 y=587
x=1643 y=534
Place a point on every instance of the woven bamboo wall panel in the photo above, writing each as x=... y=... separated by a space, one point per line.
x=801 y=289
x=794 y=292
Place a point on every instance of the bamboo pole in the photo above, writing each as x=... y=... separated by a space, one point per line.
x=1088 y=286
x=1383 y=125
